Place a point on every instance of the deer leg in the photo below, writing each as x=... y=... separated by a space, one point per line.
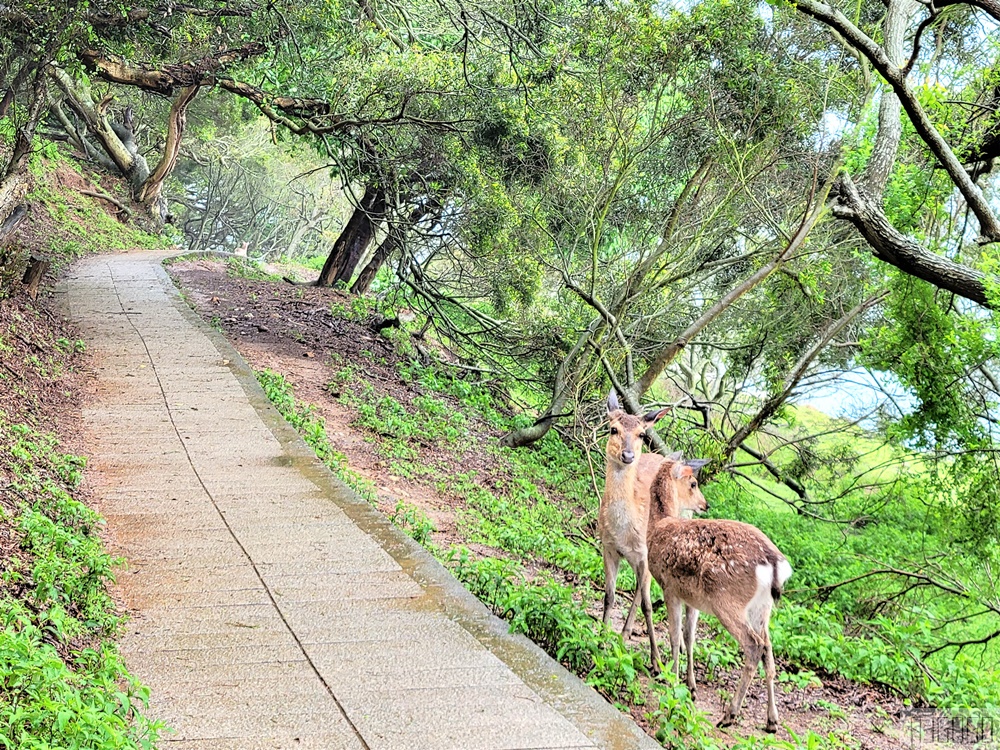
x=690 y=627
x=772 y=708
x=630 y=620
x=611 y=562
x=674 y=627
x=642 y=589
x=752 y=651
x=637 y=566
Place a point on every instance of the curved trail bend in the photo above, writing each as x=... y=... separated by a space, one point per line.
x=272 y=607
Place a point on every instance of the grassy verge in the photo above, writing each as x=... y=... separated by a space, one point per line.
x=62 y=682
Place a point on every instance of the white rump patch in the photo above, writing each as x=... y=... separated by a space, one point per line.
x=758 y=609
x=784 y=572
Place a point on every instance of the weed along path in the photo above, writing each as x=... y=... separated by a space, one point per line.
x=271 y=607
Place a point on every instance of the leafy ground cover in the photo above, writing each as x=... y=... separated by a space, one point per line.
x=419 y=440
x=62 y=681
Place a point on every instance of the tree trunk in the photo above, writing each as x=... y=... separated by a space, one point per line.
x=8 y=225
x=116 y=139
x=150 y=193
x=13 y=181
x=394 y=240
x=355 y=238
x=890 y=123
x=79 y=99
x=33 y=275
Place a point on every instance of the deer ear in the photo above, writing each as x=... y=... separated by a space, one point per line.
x=653 y=416
x=676 y=456
x=613 y=401
x=679 y=470
x=696 y=463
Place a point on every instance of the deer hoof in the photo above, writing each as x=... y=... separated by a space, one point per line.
x=726 y=721
x=772 y=727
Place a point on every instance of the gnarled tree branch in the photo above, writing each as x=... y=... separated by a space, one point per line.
x=892 y=246
x=895 y=76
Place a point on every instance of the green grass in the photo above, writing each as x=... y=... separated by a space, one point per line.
x=82 y=225
x=248 y=269
x=312 y=427
x=53 y=692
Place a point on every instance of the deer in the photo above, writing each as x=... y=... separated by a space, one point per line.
x=623 y=518
x=649 y=465
x=726 y=568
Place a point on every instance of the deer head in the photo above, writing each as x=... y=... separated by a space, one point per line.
x=625 y=439
x=676 y=488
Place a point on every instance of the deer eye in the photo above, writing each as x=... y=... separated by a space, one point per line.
x=614 y=430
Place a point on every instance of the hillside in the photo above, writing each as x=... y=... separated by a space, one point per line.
x=420 y=441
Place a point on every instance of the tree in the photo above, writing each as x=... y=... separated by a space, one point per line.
x=895 y=62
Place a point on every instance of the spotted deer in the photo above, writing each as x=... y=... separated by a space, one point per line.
x=726 y=568
x=623 y=518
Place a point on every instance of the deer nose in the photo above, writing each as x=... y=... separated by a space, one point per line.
x=627 y=457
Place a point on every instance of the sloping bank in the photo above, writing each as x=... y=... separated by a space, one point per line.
x=62 y=681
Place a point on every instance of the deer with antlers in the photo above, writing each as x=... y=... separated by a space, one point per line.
x=726 y=568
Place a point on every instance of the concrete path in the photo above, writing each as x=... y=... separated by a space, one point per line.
x=274 y=609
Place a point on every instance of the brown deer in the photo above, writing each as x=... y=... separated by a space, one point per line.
x=726 y=568
x=623 y=519
x=649 y=465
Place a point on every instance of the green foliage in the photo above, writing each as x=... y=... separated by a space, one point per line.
x=80 y=224
x=57 y=694
x=356 y=308
x=549 y=614
x=432 y=420
x=414 y=522
x=470 y=394
x=928 y=347
x=676 y=720
x=247 y=269
x=312 y=427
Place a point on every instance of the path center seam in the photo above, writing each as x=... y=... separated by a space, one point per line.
x=222 y=516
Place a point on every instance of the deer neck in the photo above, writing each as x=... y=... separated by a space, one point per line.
x=619 y=484
x=664 y=499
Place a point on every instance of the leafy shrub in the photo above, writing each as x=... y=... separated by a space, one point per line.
x=414 y=522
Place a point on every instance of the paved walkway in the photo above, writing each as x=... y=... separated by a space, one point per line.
x=274 y=609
